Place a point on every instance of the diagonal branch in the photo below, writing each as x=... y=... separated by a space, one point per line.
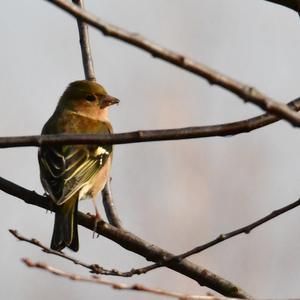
x=223 y=237
x=94 y=268
x=227 y=129
x=133 y=243
x=245 y=92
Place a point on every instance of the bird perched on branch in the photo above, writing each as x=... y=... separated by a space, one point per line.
x=70 y=173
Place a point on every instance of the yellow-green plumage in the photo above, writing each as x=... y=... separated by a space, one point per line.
x=70 y=173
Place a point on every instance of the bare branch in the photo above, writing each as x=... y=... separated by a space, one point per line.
x=223 y=237
x=94 y=268
x=87 y=60
x=169 y=259
x=109 y=206
x=227 y=129
x=292 y=4
x=85 y=46
x=117 y=285
x=245 y=92
x=133 y=243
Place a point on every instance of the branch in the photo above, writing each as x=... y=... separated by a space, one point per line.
x=223 y=237
x=133 y=243
x=109 y=206
x=94 y=268
x=292 y=4
x=86 y=53
x=227 y=129
x=115 y=285
x=87 y=61
x=245 y=92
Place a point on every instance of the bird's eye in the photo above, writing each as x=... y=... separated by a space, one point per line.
x=90 y=98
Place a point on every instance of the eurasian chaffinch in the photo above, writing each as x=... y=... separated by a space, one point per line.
x=70 y=173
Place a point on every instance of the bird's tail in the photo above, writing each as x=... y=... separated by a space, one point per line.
x=65 y=233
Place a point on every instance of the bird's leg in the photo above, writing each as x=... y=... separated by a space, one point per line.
x=97 y=217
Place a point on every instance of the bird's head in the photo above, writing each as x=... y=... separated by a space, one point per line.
x=86 y=97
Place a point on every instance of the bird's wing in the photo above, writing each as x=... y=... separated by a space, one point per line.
x=65 y=170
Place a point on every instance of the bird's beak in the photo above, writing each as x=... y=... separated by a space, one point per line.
x=108 y=100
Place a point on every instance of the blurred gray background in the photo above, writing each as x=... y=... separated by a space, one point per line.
x=175 y=194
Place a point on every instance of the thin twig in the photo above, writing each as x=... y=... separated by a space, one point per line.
x=142 y=136
x=117 y=285
x=245 y=92
x=110 y=207
x=86 y=53
x=133 y=243
x=94 y=268
x=223 y=237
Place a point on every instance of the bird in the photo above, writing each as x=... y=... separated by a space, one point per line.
x=70 y=173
